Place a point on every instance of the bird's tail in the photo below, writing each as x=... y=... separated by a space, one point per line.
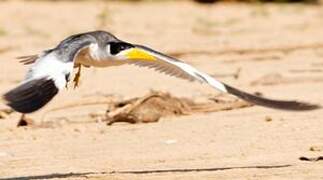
x=31 y=95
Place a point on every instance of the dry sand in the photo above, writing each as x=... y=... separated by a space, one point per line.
x=279 y=49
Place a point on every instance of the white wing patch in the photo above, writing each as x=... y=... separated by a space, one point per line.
x=163 y=67
x=50 y=66
x=174 y=67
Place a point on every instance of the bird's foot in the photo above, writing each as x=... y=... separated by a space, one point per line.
x=76 y=79
x=24 y=121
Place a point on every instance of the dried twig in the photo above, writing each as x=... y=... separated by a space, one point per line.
x=77 y=104
x=235 y=74
x=4 y=113
x=155 y=105
x=151 y=107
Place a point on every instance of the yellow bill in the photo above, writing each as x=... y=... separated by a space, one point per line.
x=138 y=54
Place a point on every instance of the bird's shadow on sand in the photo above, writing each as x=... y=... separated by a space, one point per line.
x=50 y=176
x=85 y=174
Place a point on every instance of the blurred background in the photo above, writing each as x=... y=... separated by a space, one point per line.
x=273 y=47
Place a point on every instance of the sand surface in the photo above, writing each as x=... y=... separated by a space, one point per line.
x=278 y=49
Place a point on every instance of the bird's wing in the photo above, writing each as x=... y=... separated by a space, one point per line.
x=168 y=65
x=50 y=72
x=26 y=60
x=47 y=75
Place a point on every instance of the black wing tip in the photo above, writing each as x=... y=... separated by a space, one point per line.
x=31 y=96
x=298 y=106
x=276 y=104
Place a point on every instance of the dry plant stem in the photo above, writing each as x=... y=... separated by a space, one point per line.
x=235 y=75
x=203 y=108
x=77 y=104
x=129 y=107
x=147 y=108
x=4 y=113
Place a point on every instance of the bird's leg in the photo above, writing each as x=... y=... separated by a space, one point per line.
x=76 y=79
x=22 y=121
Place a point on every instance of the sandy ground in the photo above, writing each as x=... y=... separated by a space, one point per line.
x=279 y=49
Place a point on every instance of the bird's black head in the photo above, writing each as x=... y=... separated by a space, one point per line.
x=117 y=47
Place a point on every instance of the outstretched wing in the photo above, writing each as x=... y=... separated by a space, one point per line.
x=47 y=75
x=174 y=67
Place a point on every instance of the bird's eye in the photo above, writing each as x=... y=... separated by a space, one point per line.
x=116 y=47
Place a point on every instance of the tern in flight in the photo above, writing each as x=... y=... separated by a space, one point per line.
x=51 y=70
